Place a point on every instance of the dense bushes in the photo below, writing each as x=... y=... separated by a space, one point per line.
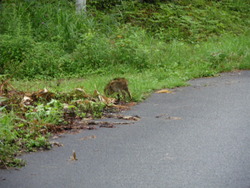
x=25 y=58
x=45 y=40
x=13 y=51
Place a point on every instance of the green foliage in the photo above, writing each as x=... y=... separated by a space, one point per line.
x=7 y=157
x=44 y=60
x=6 y=128
x=94 y=108
x=43 y=114
x=49 y=40
x=8 y=149
x=104 y=4
x=97 y=52
x=16 y=135
x=25 y=58
x=188 y=21
x=39 y=142
x=13 y=52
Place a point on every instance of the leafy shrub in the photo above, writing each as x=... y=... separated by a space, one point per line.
x=104 y=4
x=51 y=113
x=93 y=52
x=46 y=40
x=8 y=136
x=190 y=21
x=13 y=52
x=23 y=58
x=128 y=48
x=43 y=61
x=97 y=52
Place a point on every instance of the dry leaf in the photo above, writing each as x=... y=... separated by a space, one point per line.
x=58 y=144
x=119 y=116
x=107 y=125
x=134 y=118
x=173 y=118
x=44 y=93
x=161 y=115
x=81 y=92
x=108 y=100
x=55 y=137
x=104 y=99
x=166 y=116
x=88 y=137
x=164 y=91
x=121 y=107
x=102 y=124
x=73 y=157
x=26 y=101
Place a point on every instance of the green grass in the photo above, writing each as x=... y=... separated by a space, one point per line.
x=154 y=46
x=41 y=41
x=172 y=65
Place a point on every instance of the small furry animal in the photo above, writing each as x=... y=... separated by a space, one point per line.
x=119 y=86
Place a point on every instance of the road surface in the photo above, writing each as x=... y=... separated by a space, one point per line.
x=196 y=137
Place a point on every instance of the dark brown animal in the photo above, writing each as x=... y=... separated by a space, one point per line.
x=119 y=86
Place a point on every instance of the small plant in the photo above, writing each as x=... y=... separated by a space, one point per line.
x=8 y=135
x=13 y=51
x=51 y=112
x=16 y=135
x=39 y=142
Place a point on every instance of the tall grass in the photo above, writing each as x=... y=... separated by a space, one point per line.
x=49 y=40
x=171 y=66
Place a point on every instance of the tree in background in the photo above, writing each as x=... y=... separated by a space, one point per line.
x=80 y=6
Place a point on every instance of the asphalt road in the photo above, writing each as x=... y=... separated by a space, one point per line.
x=196 y=137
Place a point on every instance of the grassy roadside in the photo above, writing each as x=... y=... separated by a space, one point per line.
x=153 y=46
x=185 y=62
x=182 y=62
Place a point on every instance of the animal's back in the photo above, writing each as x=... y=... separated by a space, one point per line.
x=117 y=85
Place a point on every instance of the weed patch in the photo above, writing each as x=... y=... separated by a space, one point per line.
x=27 y=119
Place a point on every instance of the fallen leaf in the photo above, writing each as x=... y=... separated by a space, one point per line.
x=161 y=115
x=44 y=93
x=81 y=92
x=119 y=116
x=131 y=104
x=134 y=118
x=55 y=137
x=102 y=124
x=166 y=116
x=121 y=107
x=107 y=100
x=107 y=125
x=73 y=157
x=173 y=118
x=26 y=101
x=58 y=144
x=164 y=91
x=88 y=137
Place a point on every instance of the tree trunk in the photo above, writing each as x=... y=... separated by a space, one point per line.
x=80 y=6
